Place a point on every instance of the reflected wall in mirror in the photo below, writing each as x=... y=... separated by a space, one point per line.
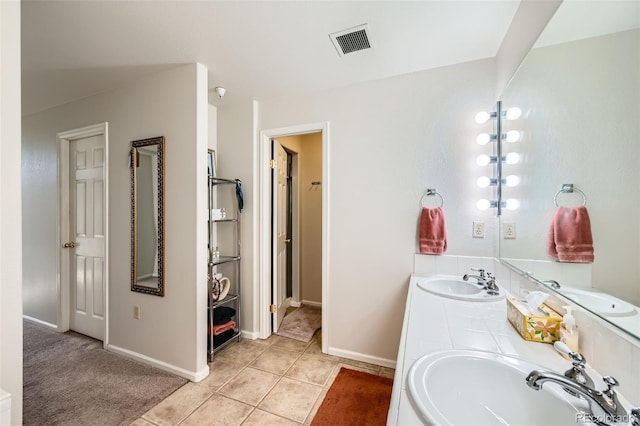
x=147 y=207
x=579 y=92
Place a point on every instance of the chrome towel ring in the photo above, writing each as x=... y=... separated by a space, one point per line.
x=431 y=192
x=568 y=188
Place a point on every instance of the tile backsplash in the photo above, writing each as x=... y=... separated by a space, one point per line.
x=607 y=349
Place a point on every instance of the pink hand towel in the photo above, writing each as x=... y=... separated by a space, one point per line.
x=570 y=238
x=432 y=235
x=217 y=329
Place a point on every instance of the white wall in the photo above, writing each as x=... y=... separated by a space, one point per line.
x=389 y=141
x=236 y=159
x=10 y=209
x=172 y=329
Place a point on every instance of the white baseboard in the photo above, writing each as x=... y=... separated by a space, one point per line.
x=37 y=321
x=251 y=335
x=311 y=303
x=194 y=376
x=389 y=363
x=295 y=304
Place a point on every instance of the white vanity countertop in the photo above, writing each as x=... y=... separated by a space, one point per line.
x=433 y=323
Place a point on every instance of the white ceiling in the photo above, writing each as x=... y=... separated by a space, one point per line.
x=578 y=19
x=255 y=49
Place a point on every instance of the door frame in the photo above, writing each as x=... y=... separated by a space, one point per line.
x=64 y=227
x=263 y=221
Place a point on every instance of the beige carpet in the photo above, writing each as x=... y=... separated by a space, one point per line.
x=301 y=324
x=70 y=380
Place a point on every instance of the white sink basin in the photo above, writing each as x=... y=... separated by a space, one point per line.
x=464 y=387
x=599 y=303
x=455 y=288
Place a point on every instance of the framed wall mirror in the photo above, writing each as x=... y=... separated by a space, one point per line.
x=579 y=91
x=147 y=209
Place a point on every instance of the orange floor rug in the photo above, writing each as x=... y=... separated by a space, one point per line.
x=355 y=398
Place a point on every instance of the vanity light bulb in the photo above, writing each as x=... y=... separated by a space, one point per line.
x=483 y=204
x=512 y=136
x=483 y=138
x=483 y=182
x=512 y=204
x=512 y=180
x=512 y=158
x=513 y=113
x=483 y=160
x=482 y=117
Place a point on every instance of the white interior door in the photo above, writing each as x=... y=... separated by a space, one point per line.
x=87 y=215
x=280 y=298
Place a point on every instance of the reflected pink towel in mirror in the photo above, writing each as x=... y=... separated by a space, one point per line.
x=432 y=235
x=570 y=238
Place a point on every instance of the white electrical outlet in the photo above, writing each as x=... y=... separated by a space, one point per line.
x=478 y=229
x=509 y=230
x=136 y=312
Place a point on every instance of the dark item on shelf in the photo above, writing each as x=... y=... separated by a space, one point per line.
x=222 y=338
x=223 y=314
x=239 y=195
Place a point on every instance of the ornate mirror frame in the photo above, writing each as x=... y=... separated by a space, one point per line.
x=134 y=163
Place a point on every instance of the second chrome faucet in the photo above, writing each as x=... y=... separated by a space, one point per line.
x=486 y=280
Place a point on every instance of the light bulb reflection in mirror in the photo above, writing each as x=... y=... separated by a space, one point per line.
x=513 y=113
x=512 y=158
x=512 y=204
x=512 y=180
x=512 y=136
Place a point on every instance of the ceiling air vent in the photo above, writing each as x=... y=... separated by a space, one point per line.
x=352 y=40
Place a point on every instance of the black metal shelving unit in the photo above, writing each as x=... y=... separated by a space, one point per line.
x=228 y=262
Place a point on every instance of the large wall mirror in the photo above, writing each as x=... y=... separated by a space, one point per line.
x=147 y=262
x=579 y=90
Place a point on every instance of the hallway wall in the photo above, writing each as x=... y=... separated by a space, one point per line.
x=10 y=209
x=173 y=104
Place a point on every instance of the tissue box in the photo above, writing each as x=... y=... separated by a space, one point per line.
x=535 y=327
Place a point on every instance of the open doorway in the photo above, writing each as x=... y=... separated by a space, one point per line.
x=303 y=222
x=297 y=224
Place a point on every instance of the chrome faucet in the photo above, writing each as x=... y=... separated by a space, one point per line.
x=487 y=280
x=481 y=277
x=604 y=406
x=553 y=283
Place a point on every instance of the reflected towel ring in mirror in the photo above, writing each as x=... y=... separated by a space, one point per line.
x=431 y=192
x=568 y=188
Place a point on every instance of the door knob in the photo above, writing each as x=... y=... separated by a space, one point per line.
x=70 y=244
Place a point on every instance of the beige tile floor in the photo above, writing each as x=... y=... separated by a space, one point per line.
x=277 y=381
